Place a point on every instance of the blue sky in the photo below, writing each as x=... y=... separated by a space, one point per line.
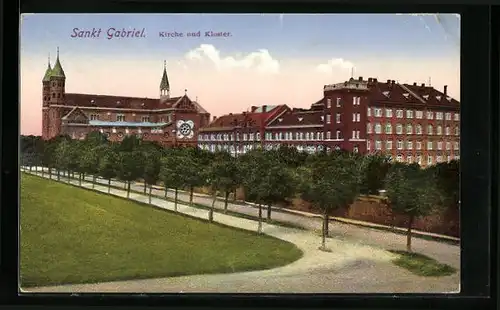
x=294 y=36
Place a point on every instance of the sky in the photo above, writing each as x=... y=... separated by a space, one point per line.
x=261 y=59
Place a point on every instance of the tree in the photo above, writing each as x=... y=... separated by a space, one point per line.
x=193 y=170
x=151 y=168
x=129 y=144
x=170 y=173
x=331 y=181
x=374 y=174
x=89 y=160
x=63 y=155
x=129 y=167
x=290 y=156
x=222 y=175
x=107 y=164
x=410 y=192
x=447 y=178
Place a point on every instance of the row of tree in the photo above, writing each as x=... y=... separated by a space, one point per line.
x=328 y=180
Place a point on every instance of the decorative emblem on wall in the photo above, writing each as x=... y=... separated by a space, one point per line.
x=185 y=129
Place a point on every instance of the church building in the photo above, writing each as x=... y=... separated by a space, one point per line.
x=170 y=121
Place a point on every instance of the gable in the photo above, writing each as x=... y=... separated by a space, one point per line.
x=76 y=116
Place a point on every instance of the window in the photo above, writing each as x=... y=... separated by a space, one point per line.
x=419 y=145
x=448 y=146
x=418 y=129
x=419 y=114
x=447 y=130
x=409 y=145
x=318 y=136
x=337 y=118
x=378 y=145
x=399 y=113
x=399 y=158
x=388 y=129
x=354 y=134
x=455 y=146
x=368 y=145
x=355 y=149
x=430 y=115
x=94 y=117
x=457 y=117
x=409 y=129
x=400 y=145
x=353 y=117
x=409 y=159
x=419 y=159
x=429 y=160
x=457 y=131
x=53 y=95
x=388 y=145
x=378 y=112
x=328 y=119
x=388 y=112
x=338 y=102
x=328 y=135
x=307 y=136
x=120 y=118
x=399 y=129
x=439 y=130
x=409 y=114
x=338 y=135
x=257 y=136
x=145 y=119
x=429 y=145
x=430 y=130
x=357 y=134
x=358 y=117
x=369 y=128
x=378 y=128
x=368 y=112
x=448 y=116
x=439 y=115
x=354 y=100
x=358 y=100
x=328 y=103
x=439 y=159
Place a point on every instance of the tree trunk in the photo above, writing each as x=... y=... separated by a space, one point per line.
x=225 y=201
x=31 y=168
x=109 y=185
x=69 y=177
x=234 y=197
x=268 y=213
x=175 y=199
x=191 y=190
x=408 y=234
x=259 y=229
x=93 y=181
x=166 y=192
x=43 y=174
x=128 y=189
x=150 y=189
x=58 y=175
x=211 y=212
x=125 y=185
x=145 y=186
x=323 y=232
x=50 y=173
x=80 y=179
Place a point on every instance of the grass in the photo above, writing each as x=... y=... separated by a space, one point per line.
x=422 y=265
x=72 y=235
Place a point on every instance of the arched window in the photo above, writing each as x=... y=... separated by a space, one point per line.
x=388 y=129
x=53 y=95
x=439 y=130
x=419 y=129
x=369 y=128
x=378 y=128
x=430 y=130
x=399 y=158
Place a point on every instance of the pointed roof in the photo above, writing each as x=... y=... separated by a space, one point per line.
x=48 y=72
x=164 y=85
x=58 y=70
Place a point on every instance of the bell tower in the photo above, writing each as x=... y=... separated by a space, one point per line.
x=164 y=85
x=46 y=101
x=57 y=92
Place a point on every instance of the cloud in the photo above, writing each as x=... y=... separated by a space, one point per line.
x=334 y=63
x=261 y=60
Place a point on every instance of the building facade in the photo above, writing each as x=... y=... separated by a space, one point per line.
x=166 y=120
x=412 y=123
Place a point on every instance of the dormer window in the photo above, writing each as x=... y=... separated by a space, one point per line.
x=280 y=120
x=118 y=102
x=143 y=104
x=448 y=98
x=92 y=102
x=406 y=95
x=386 y=93
x=300 y=119
x=426 y=97
x=438 y=98
x=322 y=118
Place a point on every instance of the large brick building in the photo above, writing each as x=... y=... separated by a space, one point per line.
x=167 y=120
x=413 y=123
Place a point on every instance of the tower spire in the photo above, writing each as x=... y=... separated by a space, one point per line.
x=58 y=70
x=48 y=72
x=164 y=84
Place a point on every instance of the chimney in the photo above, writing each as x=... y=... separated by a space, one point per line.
x=375 y=80
x=414 y=83
x=253 y=108
x=445 y=90
x=214 y=118
x=388 y=81
x=423 y=85
x=393 y=82
x=360 y=78
x=264 y=108
x=370 y=80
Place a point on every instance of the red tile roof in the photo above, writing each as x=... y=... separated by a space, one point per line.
x=299 y=118
x=105 y=101
x=432 y=96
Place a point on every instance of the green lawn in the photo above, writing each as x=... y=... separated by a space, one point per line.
x=422 y=265
x=71 y=235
